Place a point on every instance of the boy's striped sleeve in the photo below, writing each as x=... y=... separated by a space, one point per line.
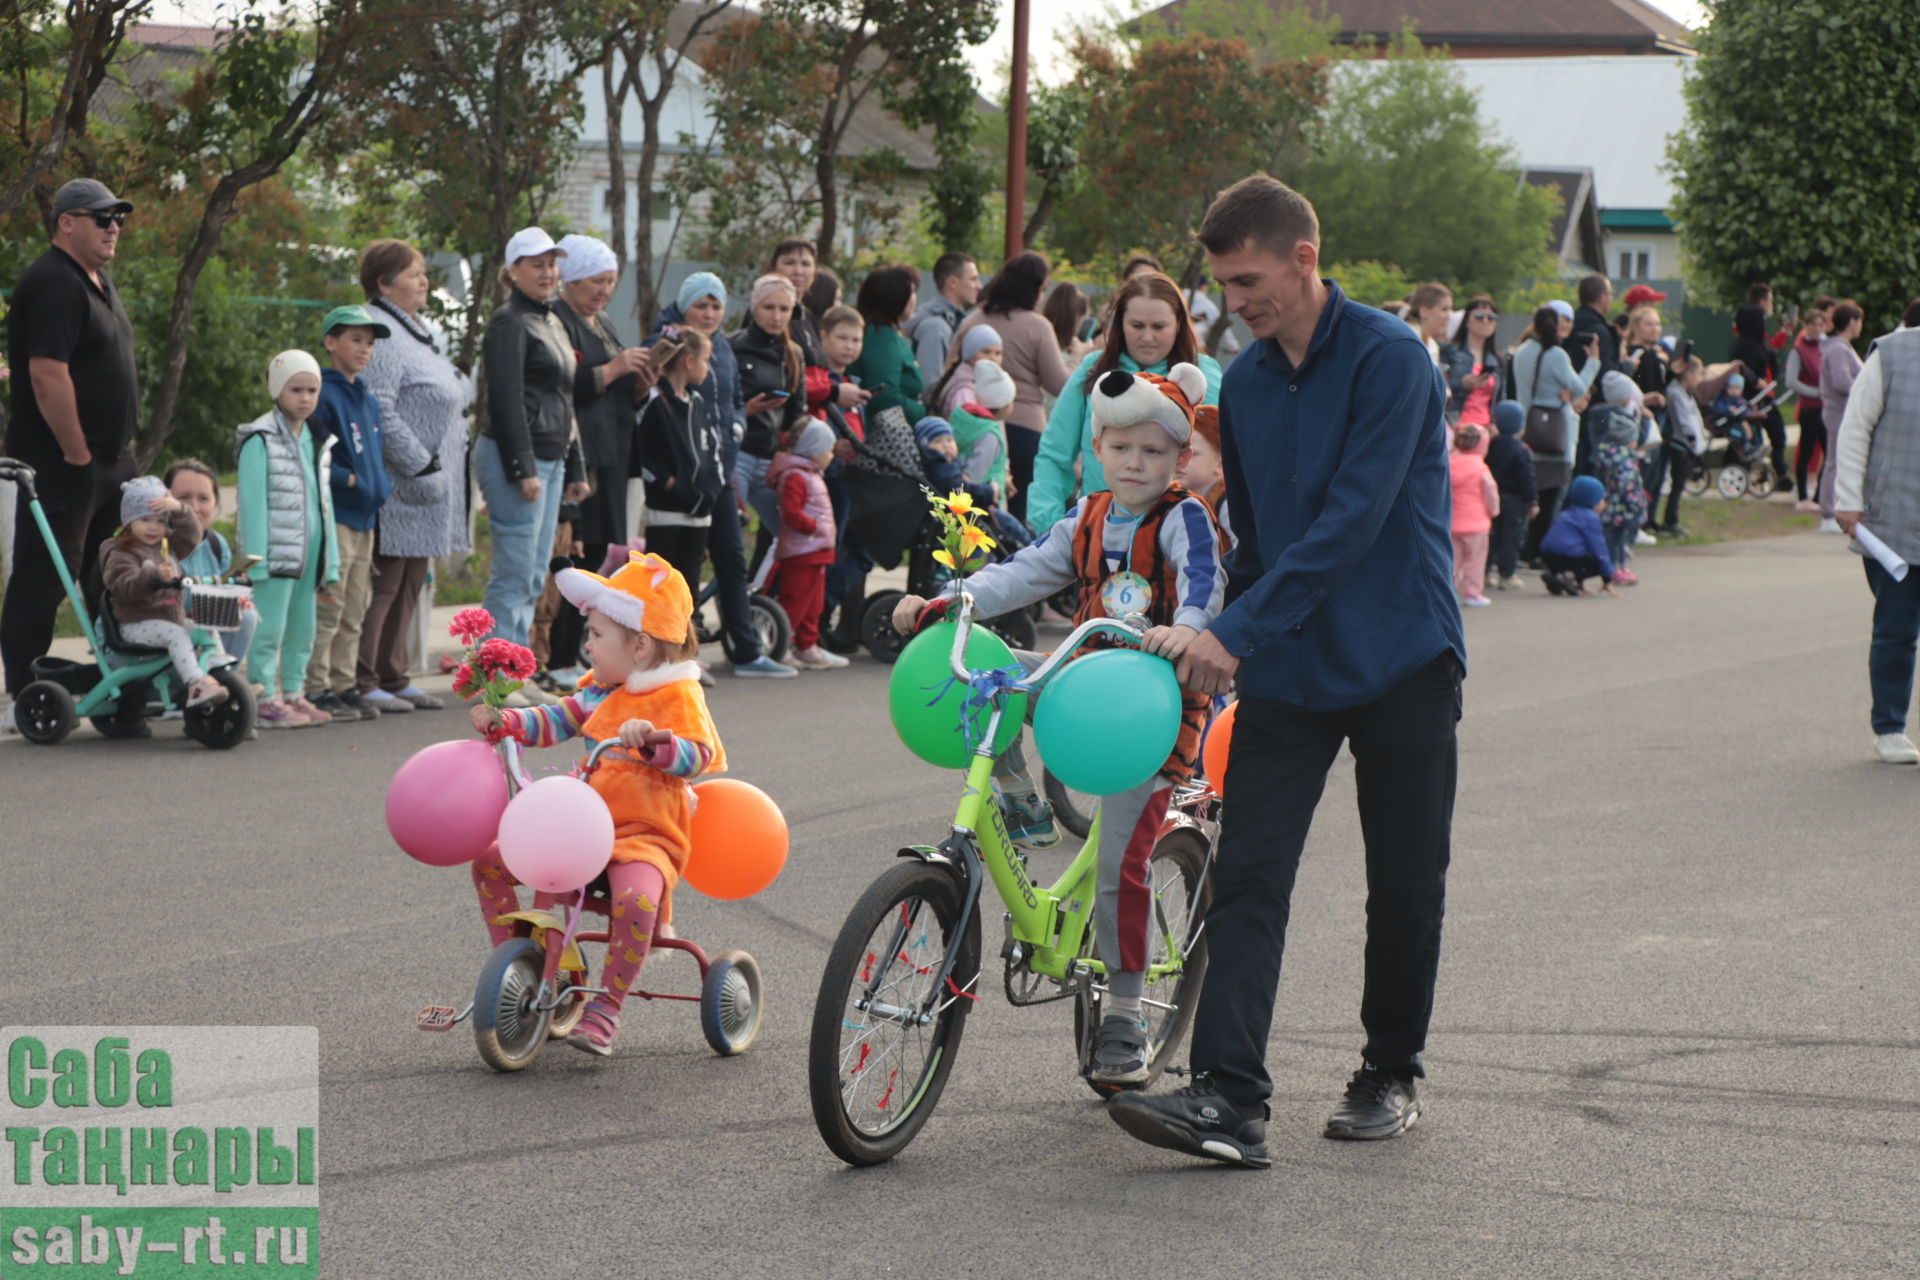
x=1192 y=544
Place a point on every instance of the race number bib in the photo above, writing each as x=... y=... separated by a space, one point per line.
x=1126 y=595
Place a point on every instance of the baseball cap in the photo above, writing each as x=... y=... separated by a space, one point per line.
x=354 y=317
x=1641 y=294
x=530 y=242
x=86 y=195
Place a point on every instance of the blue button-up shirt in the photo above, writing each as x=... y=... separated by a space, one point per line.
x=1341 y=576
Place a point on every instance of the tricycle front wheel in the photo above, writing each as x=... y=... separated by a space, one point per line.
x=508 y=1026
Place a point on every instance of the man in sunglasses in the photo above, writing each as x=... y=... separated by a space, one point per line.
x=72 y=411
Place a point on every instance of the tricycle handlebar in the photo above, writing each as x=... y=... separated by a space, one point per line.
x=1060 y=657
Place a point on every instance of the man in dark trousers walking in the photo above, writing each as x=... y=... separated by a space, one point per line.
x=1341 y=627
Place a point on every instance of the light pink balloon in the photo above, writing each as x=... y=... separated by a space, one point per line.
x=444 y=804
x=556 y=835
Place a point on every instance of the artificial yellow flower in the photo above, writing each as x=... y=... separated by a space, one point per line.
x=960 y=504
x=945 y=557
x=973 y=538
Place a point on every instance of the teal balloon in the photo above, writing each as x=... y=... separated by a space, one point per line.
x=1108 y=721
x=929 y=706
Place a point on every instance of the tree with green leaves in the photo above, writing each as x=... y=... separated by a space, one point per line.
x=1178 y=118
x=1405 y=174
x=268 y=84
x=785 y=88
x=1798 y=162
x=1056 y=135
x=53 y=61
x=477 y=112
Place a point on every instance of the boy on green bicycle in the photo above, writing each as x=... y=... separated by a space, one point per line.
x=1148 y=550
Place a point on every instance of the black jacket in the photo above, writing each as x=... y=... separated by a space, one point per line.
x=1512 y=465
x=528 y=361
x=1585 y=321
x=763 y=367
x=680 y=454
x=1750 y=348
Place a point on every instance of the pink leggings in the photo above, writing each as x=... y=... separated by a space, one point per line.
x=638 y=890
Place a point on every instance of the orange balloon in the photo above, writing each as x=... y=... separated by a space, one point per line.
x=1213 y=756
x=739 y=839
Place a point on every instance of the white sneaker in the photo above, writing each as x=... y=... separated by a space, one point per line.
x=1645 y=539
x=1830 y=525
x=816 y=659
x=1896 y=748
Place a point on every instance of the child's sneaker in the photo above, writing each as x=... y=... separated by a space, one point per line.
x=1476 y=602
x=598 y=1027
x=1625 y=578
x=1120 y=1052
x=1029 y=820
x=313 y=714
x=278 y=715
x=817 y=659
x=763 y=668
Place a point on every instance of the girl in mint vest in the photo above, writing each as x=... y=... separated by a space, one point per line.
x=286 y=518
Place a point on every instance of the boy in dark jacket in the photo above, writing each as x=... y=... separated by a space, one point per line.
x=1512 y=465
x=348 y=413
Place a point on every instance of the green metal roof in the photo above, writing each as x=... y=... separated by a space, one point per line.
x=1636 y=220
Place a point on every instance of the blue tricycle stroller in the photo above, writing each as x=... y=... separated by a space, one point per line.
x=127 y=682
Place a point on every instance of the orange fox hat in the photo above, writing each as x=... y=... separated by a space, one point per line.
x=645 y=594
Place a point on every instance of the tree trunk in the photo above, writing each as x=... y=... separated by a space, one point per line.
x=219 y=211
x=614 y=95
x=1038 y=219
x=646 y=280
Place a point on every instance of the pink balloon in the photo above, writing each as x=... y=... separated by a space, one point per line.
x=556 y=835
x=444 y=804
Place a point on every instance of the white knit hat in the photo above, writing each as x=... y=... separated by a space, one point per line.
x=992 y=386
x=281 y=368
x=584 y=256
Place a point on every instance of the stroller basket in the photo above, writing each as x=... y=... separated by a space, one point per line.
x=217 y=607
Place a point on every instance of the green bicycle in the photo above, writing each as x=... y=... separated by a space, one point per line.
x=904 y=970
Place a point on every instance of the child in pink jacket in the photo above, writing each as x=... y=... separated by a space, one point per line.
x=1476 y=501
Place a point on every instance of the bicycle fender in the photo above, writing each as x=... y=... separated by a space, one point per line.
x=926 y=853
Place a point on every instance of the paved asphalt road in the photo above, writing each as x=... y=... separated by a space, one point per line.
x=1676 y=1035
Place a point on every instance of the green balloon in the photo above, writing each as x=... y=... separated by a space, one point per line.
x=1108 y=721
x=929 y=706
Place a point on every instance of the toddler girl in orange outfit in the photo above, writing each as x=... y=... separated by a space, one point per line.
x=644 y=681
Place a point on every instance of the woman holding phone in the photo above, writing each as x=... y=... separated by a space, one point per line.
x=773 y=379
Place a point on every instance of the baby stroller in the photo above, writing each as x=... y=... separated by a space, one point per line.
x=1735 y=456
x=926 y=576
x=115 y=690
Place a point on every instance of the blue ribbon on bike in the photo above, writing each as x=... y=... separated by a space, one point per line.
x=982 y=687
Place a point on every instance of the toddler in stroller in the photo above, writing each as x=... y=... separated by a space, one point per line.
x=1734 y=425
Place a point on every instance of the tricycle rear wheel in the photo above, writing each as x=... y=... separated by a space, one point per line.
x=731 y=998
x=129 y=714
x=223 y=725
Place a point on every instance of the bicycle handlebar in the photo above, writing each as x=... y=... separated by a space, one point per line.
x=957 y=659
x=653 y=739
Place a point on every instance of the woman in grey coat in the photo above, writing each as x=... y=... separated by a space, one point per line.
x=424 y=401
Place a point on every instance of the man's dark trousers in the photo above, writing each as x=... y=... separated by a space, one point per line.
x=83 y=506
x=1405 y=764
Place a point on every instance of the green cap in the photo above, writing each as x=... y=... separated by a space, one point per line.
x=354 y=317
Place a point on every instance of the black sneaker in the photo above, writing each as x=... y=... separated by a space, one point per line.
x=330 y=702
x=352 y=704
x=1198 y=1121
x=1120 y=1052
x=1378 y=1105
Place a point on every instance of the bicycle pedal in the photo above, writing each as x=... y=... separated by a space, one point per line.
x=437 y=1017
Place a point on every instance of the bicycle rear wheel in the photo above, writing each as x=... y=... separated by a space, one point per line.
x=875 y=1065
x=1177 y=876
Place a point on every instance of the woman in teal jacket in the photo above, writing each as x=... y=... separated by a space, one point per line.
x=1149 y=333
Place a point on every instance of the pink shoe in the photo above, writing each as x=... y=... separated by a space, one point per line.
x=313 y=714
x=598 y=1027
x=276 y=714
x=1625 y=578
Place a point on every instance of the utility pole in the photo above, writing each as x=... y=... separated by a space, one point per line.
x=1017 y=134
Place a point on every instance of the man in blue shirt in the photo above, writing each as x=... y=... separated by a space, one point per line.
x=1341 y=627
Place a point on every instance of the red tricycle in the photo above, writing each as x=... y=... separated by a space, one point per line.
x=536 y=985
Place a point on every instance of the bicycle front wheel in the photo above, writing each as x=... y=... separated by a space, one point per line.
x=883 y=1039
